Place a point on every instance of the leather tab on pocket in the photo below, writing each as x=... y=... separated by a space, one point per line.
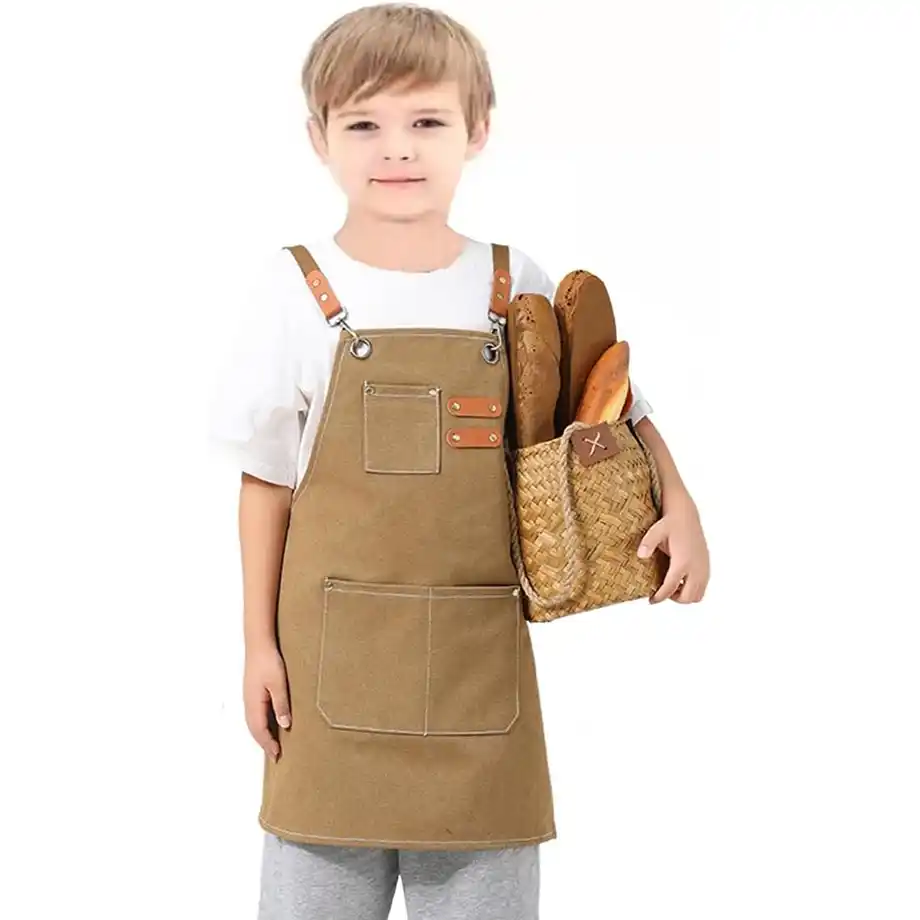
x=474 y=437
x=474 y=406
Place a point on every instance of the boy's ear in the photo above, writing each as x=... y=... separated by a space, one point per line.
x=478 y=137
x=317 y=139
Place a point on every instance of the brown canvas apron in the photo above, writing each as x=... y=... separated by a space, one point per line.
x=416 y=719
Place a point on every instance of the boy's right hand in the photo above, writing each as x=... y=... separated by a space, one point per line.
x=265 y=693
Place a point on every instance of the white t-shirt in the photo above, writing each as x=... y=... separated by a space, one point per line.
x=268 y=400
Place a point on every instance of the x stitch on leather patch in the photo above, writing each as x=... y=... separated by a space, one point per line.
x=594 y=444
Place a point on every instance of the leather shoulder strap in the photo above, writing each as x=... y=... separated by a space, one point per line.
x=331 y=306
x=501 y=278
x=316 y=282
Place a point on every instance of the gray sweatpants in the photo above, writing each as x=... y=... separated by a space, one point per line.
x=303 y=881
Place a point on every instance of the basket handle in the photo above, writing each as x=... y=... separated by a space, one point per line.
x=573 y=542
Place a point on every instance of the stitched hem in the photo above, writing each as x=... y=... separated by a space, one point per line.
x=639 y=410
x=237 y=454
x=267 y=472
x=405 y=844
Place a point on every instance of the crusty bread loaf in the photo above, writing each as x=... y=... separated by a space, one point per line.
x=534 y=350
x=587 y=329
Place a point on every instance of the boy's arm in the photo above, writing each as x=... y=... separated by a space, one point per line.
x=674 y=494
x=679 y=531
x=258 y=406
x=264 y=515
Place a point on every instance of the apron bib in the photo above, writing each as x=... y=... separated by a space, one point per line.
x=416 y=719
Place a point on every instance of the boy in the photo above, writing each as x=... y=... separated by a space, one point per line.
x=399 y=669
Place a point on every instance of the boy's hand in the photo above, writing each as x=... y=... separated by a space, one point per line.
x=264 y=690
x=679 y=534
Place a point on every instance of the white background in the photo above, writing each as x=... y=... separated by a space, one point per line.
x=744 y=179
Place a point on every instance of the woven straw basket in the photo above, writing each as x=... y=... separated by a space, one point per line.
x=576 y=527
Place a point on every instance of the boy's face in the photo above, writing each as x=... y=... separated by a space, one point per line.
x=418 y=135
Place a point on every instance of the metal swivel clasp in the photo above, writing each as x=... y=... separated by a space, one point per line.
x=491 y=350
x=360 y=345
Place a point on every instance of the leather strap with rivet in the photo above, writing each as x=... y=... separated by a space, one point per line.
x=501 y=278
x=316 y=282
x=474 y=436
x=474 y=406
x=320 y=288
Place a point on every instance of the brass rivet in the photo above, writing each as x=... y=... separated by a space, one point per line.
x=323 y=296
x=501 y=296
x=493 y=408
x=493 y=437
x=316 y=282
x=516 y=592
x=455 y=437
x=368 y=389
x=455 y=405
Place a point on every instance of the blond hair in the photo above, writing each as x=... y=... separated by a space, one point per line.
x=372 y=48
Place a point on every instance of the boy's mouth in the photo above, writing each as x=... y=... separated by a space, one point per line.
x=399 y=180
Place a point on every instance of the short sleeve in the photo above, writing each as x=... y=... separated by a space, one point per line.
x=532 y=279
x=256 y=401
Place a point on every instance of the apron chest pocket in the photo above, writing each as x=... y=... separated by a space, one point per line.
x=402 y=428
x=420 y=660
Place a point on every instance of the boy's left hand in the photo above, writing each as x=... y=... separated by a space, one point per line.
x=679 y=534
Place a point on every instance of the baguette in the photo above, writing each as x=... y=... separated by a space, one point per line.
x=607 y=389
x=587 y=329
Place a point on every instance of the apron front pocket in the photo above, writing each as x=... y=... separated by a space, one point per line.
x=475 y=659
x=402 y=428
x=416 y=659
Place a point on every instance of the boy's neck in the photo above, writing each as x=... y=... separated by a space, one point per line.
x=417 y=246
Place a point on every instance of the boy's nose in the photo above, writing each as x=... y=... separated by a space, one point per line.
x=396 y=146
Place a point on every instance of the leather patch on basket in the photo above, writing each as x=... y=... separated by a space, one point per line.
x=594 y=444
x=474 y=406
x=474 y=437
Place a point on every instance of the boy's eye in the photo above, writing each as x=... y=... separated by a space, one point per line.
x=361 y=124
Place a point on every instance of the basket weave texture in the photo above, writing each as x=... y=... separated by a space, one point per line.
x=576 y=527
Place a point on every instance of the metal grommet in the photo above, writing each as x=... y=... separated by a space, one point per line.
x=490 y=353
x=360 y=347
